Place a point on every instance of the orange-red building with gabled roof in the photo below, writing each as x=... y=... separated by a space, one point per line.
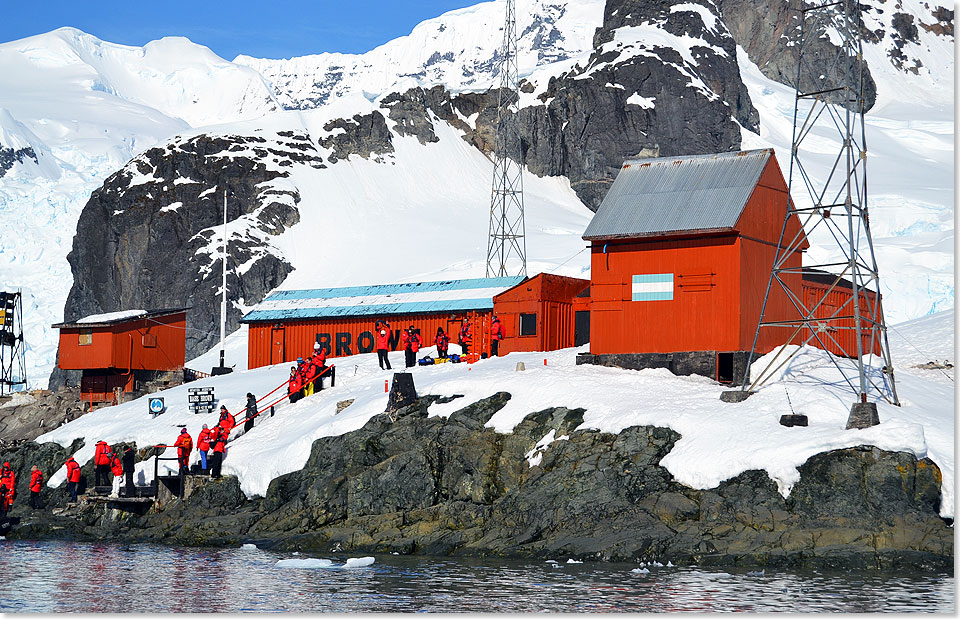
x=681 y=253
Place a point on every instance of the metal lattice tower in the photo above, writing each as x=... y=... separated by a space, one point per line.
x=507 y=245
x=13 y=363
x=829 y=108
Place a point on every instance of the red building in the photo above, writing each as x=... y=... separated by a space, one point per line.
x=286 y=324
x=539 y=314
x=122 y=350
x=681 y=254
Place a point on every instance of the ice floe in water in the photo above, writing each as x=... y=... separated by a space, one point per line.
x=325 y=563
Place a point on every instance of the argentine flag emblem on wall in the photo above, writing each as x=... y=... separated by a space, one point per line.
x=653 y=287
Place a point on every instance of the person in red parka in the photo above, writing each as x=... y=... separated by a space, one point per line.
x=443 y=342
x=102 y=457
x=294 y=385
x=8 y=488
x=218 y=440
x=227 y=422
x=73 y=478
x=496 y=334
x=411 y=344
x=203 y=446
x=466 y=335
x=383 y=343
x=36 y=484
x=184 y=445
x=313 y=367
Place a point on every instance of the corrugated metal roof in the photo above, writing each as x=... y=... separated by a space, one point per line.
x=385 y=299
x=677 y=194
x=112 y=318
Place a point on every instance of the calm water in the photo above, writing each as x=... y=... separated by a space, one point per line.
x=71 y=577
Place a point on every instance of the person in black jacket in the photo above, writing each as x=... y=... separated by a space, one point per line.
x=251 y=412
x=128 y=456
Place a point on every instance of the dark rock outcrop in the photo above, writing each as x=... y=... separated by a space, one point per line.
x=452 y=486
x=45 y=411
x=10 y=156
x=363 y=135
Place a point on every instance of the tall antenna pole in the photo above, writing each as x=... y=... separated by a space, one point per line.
x=223 y=303
x=507 y=245
x=829 y=108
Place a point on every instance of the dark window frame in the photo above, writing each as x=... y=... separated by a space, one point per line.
x=523 y=327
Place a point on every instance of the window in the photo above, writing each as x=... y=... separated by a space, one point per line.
x=528 y=324
x=653 y=287
x=86 y=337
x=149 y=340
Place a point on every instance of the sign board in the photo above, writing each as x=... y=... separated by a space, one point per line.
x=201 y=399
x=157 y=406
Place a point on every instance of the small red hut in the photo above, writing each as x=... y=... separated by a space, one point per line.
x=539 y=314
x=122 y=349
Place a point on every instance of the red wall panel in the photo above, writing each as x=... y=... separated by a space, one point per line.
x=272 y=342
x=703 y=314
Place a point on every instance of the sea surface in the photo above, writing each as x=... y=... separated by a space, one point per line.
x=54 y=577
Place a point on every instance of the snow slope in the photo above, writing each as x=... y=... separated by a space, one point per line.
x=910 y=136
x=86 y=107
x=718 y=440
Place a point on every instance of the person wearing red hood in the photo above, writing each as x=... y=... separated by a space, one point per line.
x=466 y=336
x=8 y=485
x=218 y=440
x=383 y=344
x=184 y=445
x=203 y=446
x=411 y=344
x=36 y=484
x=102 y=457
x=496 y=334
x=73 y=478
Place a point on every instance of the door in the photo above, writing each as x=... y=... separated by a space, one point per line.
x=552 y=332
x=581 y=328
x=276 y=345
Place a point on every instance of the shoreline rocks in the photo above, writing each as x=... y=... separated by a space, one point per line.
x=451 y=486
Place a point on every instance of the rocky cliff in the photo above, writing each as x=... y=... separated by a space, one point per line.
x=451 y=486
x=150 y=236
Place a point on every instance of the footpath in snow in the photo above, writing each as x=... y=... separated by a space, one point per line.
x=718 y=442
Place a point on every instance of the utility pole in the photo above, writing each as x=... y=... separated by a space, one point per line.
x=222 y=369
x=830 y=104
x=506 y=244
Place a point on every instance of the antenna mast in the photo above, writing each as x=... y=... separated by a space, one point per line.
x=829 y=108
x=13 y=362
x=507 y=245
x=223 y=302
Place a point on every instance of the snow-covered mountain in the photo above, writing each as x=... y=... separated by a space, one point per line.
x=397 y=185
x=458 y=50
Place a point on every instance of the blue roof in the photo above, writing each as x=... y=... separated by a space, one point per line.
x=384 y=299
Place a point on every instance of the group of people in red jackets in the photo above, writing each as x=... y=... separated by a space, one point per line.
x=411 y=341
x=307 y=376
x=209 y=439
x=8 y=488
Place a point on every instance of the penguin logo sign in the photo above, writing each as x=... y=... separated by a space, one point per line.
x=157 y=406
